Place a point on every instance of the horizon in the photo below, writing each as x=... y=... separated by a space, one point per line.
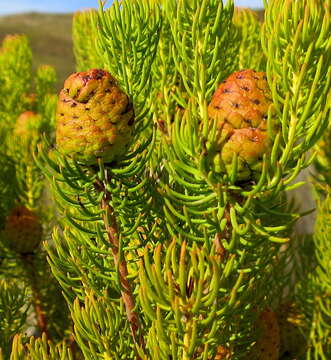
x=62 y=6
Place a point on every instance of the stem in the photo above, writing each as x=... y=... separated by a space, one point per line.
x=29 y=186
x=186 y=340
x=72 y=345
x=28 y=261
x=220 y=250
x=127 y=296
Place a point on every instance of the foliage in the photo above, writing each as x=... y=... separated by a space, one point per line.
x=251 y=55
x=39 y=349
x=84 y=41
x=25 y=277
x=12 y=310
x=49 y=36
x=158 y=255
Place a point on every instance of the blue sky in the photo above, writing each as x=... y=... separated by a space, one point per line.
x=16 y=6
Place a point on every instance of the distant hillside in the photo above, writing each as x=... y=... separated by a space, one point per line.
x=50 y=38
x=260 y=14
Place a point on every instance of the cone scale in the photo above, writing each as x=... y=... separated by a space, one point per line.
x=95 y=118
x=240 y=108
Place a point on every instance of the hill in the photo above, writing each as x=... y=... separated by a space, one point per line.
x=50 y=39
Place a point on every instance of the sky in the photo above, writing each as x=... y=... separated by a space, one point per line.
x=17 y=6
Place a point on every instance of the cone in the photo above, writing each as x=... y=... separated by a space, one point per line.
x=95 y=118
x=240 y=109
x=23 y=230
x=27 y=125
x=267 y=346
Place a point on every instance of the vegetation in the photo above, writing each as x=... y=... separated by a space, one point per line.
x=145 y=210
x=49 y=37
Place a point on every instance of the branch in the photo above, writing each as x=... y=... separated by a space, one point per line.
x=127 y=296
x=30 y=266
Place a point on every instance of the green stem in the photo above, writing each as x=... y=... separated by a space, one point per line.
x=29 y=185
x=291 y=140
x=186 y=340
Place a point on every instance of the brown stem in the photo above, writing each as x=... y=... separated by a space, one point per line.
x=220 y=250
x=126 y=292
x=28 y=261
x=72 y=346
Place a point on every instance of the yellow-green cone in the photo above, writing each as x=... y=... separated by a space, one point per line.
x=23 y=230
x=240 y=108
x=27 y=125
x=95 y=118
